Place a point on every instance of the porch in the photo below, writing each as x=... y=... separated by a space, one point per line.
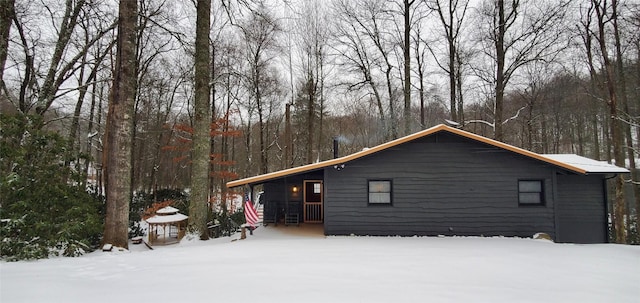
x=294 y=200
x=302 y=230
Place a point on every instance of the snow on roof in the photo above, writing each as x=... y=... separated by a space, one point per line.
x=167 y=219
x=589 y=165
x=167 y=210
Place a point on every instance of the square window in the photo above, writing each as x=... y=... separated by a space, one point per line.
x=380 y=192
x=531 y=192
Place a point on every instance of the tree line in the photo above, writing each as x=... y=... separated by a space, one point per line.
x=194 y=94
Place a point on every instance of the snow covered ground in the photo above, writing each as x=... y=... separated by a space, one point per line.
x=275 y=265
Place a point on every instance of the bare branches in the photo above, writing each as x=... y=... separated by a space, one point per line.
x=42 y=74
x=69 y=22
x=518 y=33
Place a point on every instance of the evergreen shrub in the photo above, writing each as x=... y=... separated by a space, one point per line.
x=45 y=208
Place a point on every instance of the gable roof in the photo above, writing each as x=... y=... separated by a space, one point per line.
x=583 y=166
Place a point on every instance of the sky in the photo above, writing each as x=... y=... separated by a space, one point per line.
x=283 y=264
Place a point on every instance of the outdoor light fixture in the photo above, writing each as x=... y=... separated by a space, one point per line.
x=294 y=189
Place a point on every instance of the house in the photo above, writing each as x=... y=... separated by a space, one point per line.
x=444 y=181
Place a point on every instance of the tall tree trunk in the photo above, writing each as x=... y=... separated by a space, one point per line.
x=214 y=113
x=321 y=100
x=264 y=167
x=248 y=142
x=529 y=127
x=310 y=116
x=224 y=144
x=374 y=88
x=7 y=11
x=198 y=205
x=500 y=79
x=421 y=87
x=101 y=150
x=407 y=68
x=615 y=128
x=392 y=111
x=596 y=137
x=587 y=39
x=452 y=80
x=288 y=150
x=637 y=45
x=625 y=108
x=75 y=121
x=89 y=147
x=423 y=123
x=119 y=130
x=459 y=96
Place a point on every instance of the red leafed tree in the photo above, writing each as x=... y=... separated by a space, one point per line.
x=220 y=165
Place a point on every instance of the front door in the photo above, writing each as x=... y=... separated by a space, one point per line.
x=313 y=201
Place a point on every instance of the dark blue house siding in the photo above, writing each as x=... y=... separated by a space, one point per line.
x=446 y=181
x=581 y=209
x=442 y=185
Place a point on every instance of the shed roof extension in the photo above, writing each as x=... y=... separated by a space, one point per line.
x=575 y=163
x=589 y=165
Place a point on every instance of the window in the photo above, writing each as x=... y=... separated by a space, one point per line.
x=531 y=192
x=380 y=192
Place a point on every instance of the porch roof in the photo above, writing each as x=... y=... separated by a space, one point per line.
x=550 y=159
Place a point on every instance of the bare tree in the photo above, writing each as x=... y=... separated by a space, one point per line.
x=600 y=8
x=228 y=60
x=119 y=133
x=452 y=15
x=42 y=71
x=200 y=158
x=312 y=57
x=516 y=33
x=584 y=29
x=420 y=52
x=367 y=47
x=92 y=66
x=634 y=21
x=625 y=108
x=55 y=76
x=354 y=58
x=260 y=37
x=160 y=71
x=533 y=96
x=406 y=52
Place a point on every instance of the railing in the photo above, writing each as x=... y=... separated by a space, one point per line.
x=313 y=212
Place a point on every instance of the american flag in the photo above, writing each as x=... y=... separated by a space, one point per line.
x=250 y=213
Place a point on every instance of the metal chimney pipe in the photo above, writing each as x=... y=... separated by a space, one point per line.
x=335 y=147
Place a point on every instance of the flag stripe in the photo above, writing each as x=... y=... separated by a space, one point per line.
x=250 y=213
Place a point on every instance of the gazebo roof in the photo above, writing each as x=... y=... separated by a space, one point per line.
x=167 y=219
x=168 y=210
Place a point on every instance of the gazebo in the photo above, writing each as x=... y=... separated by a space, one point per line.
x=167 y=226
